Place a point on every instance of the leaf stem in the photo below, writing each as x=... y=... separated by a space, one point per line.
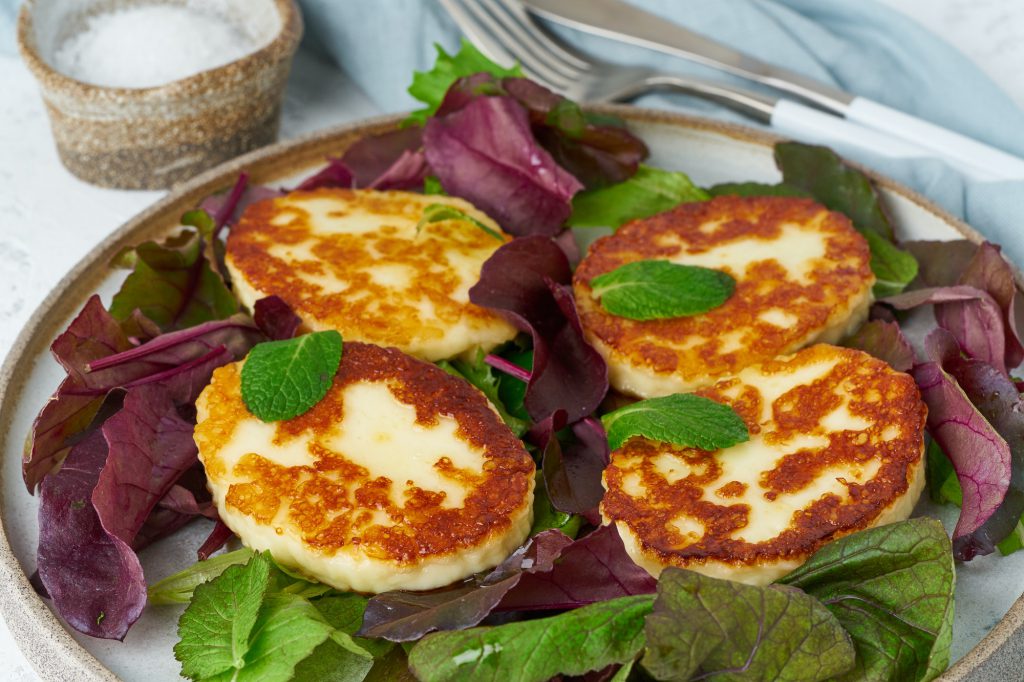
x=508 y=367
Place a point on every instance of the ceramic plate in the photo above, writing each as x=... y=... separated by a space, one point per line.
x=984 y=645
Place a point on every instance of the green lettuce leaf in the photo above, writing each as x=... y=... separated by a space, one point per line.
x=178 y=588
x=757 y=189
x=650 y=191
x=572 y=643
x=819 y=171
x=480 y=374
x=430 y=87
x=719 y=628
x=892 y=590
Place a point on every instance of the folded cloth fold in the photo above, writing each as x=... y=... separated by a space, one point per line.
x=859 y=45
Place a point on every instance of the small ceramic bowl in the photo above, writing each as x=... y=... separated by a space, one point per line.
x=151 y=138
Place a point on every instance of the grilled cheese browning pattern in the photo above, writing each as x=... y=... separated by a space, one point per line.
x=354 y=260
x=802 y=276
x=836 y=446
x=402 y=477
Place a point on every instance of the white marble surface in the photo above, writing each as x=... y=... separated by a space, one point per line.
x=49 y=219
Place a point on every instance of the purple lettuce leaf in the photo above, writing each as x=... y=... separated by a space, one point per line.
x=595 y=153
x=940 y=262
x=406 y=616
x=995 y=397
x=372 y=157
x=275 y=318
x=334 y=174
x=227 y=207
x=218 y=537
x=572 y=474
x=979 y=454
x=524 y=279
x=93 y=577
x=150 y=447
x=92 y=335
x=486 y=154
x=990 y=272
x=592 y=569
x=971 y=315
x=407 y=173
x=885 y=341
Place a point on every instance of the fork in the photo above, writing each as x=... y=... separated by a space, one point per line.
x=506 y=33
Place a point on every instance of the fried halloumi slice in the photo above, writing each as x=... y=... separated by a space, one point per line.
x=802 y=276
x=402 y=477
x=836 y=445
x=356 y=261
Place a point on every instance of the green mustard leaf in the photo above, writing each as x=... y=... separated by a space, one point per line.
x=727 y=630
x=572 y=643
x=821 y=172
x=431 y=185
x=649 y=191
x=892 y=589
x=283 y=379
x=546 y=517
x=430 y=87
x=682 y=419
x=178 y=588
x=437 y=213
x=214 y=630
x=943 y=485
x=481 y=375
x=658 y=289
x=173 y=284
x=287 y=630
x=757 y=189
x=894 y=268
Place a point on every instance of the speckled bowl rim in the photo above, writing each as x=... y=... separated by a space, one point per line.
x=282 y=46
x=46 y=643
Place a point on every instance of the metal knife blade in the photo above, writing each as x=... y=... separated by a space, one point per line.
x=627 y=23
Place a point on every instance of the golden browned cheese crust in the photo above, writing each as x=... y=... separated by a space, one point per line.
x=353 y=260
x=336 y=504
x=844 y=423
x=802 y=275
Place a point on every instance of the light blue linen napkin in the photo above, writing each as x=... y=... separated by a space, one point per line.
x=858 y=45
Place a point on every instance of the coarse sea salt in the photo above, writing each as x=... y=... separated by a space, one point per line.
x=149 y=45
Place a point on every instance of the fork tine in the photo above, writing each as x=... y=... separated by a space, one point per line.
x=533 y=66
x=477 y=34
x=529 y=40
x=517 y=11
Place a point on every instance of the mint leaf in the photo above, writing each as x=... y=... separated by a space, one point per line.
x=436 y=213
x=682 y=419
x=215 y=628
x=178 y=588
x=658 y=289
x=821 y=172
x=481 y=375
x=722 y=628
x=649 y=191
x=173 y=284
x=756 y=189
x=283 y=379
x=894 y=268
x=892 y=590
x=572 y=643
x=430 y=87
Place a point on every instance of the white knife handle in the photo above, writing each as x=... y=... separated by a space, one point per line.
x=941 y=141
x=807 y=124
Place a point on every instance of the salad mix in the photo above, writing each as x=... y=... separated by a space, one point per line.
x=112 y=457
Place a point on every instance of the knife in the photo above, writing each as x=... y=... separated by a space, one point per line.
x=626 y=23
